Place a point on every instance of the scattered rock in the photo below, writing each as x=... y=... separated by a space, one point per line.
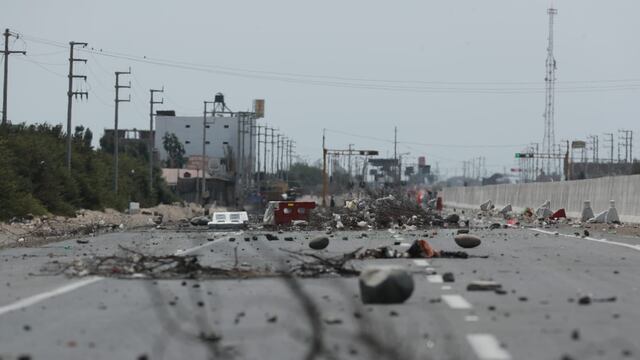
x=332 y=321
x=319 y=243
x=82 y=241
x=575 y=335
x=448 y=277
x=585 y=300
x=385 y=285
x=467 y=241
x=482 y=285
x=199 y=221
x=452 y=219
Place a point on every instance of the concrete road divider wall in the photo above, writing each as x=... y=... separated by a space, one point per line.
x=570 y=195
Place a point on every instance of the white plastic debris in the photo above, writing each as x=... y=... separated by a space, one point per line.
x=487 y=205
x=599 y=218
x=587 y=211
x=544 y=211
x=506 y=210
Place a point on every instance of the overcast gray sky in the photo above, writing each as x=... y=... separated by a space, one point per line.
x=459 y=73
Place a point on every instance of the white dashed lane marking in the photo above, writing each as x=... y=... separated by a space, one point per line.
x=456 y=301
x=421 y=262
x=437 y=279
x=487 y=347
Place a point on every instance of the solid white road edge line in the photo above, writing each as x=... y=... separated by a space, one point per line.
x=421 y=262
x=487 y=347
x=456 y=301
x=32 y=300
x=603 y=241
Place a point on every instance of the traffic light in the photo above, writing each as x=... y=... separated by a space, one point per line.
x=524 y=155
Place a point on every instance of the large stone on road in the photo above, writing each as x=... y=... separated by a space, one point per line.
x=467 y=241
x=199 y=221
x=319 y=243
x=385 y=285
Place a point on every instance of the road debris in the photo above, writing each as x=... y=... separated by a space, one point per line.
x=448 y=277
x=319 y=243
x=135 y=265
x=385 y=285
x=483 y=285
x=467 y=241
x=422 y=249
x=320 y=265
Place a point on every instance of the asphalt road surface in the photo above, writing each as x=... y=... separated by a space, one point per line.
x=539 y=317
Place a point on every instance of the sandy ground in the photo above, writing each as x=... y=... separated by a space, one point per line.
x=44 y=229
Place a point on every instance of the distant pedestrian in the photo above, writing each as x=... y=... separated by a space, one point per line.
x=332 y=203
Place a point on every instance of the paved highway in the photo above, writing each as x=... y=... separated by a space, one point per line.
x=545 y=272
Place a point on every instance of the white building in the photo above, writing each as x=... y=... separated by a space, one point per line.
x=225 y=138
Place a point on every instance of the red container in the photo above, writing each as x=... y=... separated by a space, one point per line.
x=287 y=211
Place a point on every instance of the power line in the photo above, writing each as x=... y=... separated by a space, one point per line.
x=425 y=144
x=365 y=83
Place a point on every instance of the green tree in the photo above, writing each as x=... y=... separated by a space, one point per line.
x=174 y=149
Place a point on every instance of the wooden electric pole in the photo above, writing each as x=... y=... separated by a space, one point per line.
x=73 y=94
x=115 y=128
x=6 y=54
x=151 y=135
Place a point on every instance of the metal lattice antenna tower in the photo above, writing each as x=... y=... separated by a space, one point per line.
x=549 y=111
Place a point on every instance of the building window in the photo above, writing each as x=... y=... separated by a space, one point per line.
x=208 y=126
x=225 y=143
x=226 y=126
x=187 y=142
x=187 y=126
x=207 y=142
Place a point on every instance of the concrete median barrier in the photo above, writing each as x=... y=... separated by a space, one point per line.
x=569 y=195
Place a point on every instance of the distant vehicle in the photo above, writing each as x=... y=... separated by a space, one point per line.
x=229 y=220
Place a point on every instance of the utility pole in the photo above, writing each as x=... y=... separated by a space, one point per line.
x=395 y=152
x=349 y=163
x=610 y=141
x=626 y=136
x=6 y=54
x=115 y=128
x=204 y=151
x=278 y=156
x=324 y=169
x=282 y=150
x=594 y=147
x=73 y=94
x=258 y=156
x=151 y=135
x=266 y=142
x=272 y=142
